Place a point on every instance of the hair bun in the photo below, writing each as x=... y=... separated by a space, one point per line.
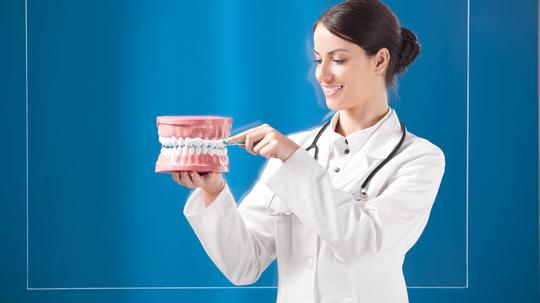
x=409 y=49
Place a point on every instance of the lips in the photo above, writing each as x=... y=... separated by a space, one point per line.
x=193 y=143
x=331 y=90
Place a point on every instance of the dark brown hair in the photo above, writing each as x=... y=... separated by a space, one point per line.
x=371 y=25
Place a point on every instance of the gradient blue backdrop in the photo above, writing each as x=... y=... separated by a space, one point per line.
x=99 y=72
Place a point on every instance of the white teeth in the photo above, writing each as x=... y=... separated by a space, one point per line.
x=178 y=145
x=197 y=142
x=332 y=89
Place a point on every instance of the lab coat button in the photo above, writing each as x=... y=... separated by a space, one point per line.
x=309 y=262
x=336 y=169
x=346 y=151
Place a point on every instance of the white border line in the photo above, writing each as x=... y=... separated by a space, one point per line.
x=26 y=130
x=467 y=160
x=248 y=287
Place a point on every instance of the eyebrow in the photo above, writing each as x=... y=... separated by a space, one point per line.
x=331 y=52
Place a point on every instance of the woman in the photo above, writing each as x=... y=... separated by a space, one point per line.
x=332 y=243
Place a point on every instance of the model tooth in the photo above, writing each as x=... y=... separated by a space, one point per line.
x=224 y=152
x=161 y=140
x=211 y=151
x=174 y=141
x=180 y=141
x=184 y=149
x=187 y=141
x=197 y=142
x=197 y=150
x=204 y=149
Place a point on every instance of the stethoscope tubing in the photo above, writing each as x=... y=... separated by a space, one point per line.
x=314 y=146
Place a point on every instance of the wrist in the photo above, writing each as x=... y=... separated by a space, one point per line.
x=296 y=147
x=210 y=195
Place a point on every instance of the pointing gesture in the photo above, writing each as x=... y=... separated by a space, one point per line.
x=265 y=141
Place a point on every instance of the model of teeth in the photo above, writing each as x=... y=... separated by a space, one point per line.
x=193 y=143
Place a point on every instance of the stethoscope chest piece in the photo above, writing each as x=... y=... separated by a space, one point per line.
x=360 y=195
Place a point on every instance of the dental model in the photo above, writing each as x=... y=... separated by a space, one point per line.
x=193 y=143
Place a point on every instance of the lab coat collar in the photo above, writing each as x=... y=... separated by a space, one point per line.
x=384 y=138
x=356 y=139
x=377 y=147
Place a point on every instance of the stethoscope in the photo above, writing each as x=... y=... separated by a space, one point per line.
x=361 y=194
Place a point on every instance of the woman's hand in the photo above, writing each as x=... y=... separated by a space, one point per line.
x=266 y=141
x=211 y=183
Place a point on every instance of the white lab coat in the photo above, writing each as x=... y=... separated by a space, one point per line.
x=333 y=248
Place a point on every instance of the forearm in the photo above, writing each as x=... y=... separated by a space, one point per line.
x=224 y=236
x=395 y=217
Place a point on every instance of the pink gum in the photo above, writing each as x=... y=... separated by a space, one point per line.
x=192 y=162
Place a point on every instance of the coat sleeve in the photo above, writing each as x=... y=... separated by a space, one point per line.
x=393 y=219
x=239 y=240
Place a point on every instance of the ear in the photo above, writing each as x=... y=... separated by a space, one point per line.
x=380 y=61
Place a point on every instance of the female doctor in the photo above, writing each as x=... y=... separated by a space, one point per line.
x=339 y=205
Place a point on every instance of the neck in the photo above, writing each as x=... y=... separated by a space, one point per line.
x=361 y=117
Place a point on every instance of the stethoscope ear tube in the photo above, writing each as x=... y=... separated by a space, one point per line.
x=388 y=158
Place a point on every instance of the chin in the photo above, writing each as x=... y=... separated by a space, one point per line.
x=335 y=105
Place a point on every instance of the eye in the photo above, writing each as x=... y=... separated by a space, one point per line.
x=318 y=61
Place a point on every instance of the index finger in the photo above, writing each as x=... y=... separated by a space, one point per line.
x=241 y=137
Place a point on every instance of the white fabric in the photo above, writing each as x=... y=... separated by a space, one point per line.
x=332 y=248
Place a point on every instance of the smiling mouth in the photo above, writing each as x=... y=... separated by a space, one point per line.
x=331 y=90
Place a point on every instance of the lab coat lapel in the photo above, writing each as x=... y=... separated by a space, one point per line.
x=375 y=150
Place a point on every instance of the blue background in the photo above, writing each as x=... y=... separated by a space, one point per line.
x=99 y=72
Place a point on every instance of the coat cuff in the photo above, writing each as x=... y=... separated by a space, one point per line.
x=196 y=212
x=292 y=181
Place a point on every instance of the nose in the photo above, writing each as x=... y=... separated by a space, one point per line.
x=323 y=73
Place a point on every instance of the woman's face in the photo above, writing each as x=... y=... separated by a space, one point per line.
x=346 y=74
